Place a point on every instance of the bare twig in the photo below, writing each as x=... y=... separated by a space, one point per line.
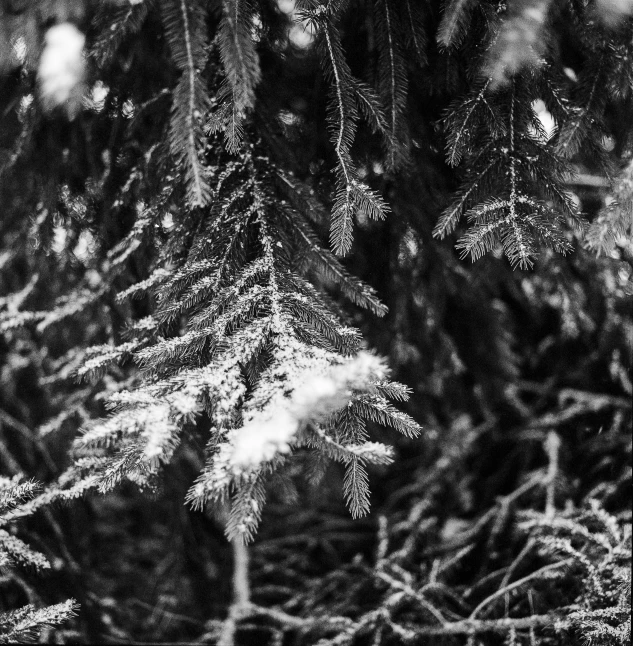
x=552 y=448
x=240 y=608
x=411 y=594
x=591 y=181
x=383 y=540
x=518 y=583
x=382 y=618
x=478 y=626
x=467 y=536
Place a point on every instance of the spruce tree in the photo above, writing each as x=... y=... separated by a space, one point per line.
x=215 y=208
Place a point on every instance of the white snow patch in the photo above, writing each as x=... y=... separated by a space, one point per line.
x=286 y=6
x=316 y=396
x=20 y=49
x=545 y=117
x=62 y=67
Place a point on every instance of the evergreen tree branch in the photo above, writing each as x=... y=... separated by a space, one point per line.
x=184 y=27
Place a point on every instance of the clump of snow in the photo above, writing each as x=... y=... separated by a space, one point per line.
x=21 y=50
x=286 y=6
x=317 y=395
x=184 y=404
x=260 y=440
x=545 y=117
x=97 y=97
x=301 y=33
x=320 y=395
x=61 y=68
x=159 y=431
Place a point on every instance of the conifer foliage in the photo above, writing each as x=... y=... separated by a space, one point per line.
x=193 y=191
x=262 y=355
x=186 y=37
x=518 y=208
x=27 y=622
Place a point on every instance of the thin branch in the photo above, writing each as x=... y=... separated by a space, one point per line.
x=478 y=626
x=240 y=608
x=518 y=583
x=552 y=447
